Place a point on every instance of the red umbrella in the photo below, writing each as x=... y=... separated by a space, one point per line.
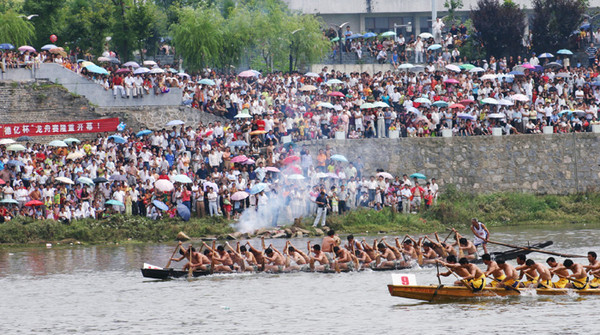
x=337 y=94
x=290 y=159
x=2 y=182
x=467 y=101
x=123 y=70
x=239 y=159
x=34 y=203
x=269 y=168
x=292 y=170
x=459 y=106
x=208 y=133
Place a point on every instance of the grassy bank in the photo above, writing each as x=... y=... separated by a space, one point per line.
x=454 y=209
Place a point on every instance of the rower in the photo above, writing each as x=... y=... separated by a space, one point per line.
x=459 y=271
x=370 y=250
x=493 y=269
x=531 y=275
x=320 y=257
x=482 y=234
x=300 y=259
x=578 y=279
x=475 y=278
x=343 y=260
x=397 y=252
x=237 y=258
x=388 y=255
x=249 y=259
x=221 y=259
x=274 y=261
x=545 y=277
x=198 y=261
x=258 y=256
x=467 y=247
x=560 y=271
x=593 y=268
x=352 y=244
x=329 y=242
x=512 y=276
x=409 y=252
x=429 y=255
x=363 y=258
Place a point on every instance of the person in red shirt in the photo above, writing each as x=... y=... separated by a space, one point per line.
x=117 y=84
x=417 y=195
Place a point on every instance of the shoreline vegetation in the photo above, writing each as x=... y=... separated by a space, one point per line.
x=454 y=209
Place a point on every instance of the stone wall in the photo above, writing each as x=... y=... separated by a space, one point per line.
x=553 y=164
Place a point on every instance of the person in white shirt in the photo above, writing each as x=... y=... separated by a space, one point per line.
x=212 y=201
x=418 y=50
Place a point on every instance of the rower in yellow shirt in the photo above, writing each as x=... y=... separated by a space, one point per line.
x=475 y=278
x=560 y=271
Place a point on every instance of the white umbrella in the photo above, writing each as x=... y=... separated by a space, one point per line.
x=75 y=155
x=496 y=116
x=149 y=63
x=175 y=123
x=334 y=82
x=488 y=76
x=490 y=101
x=6 y=141
x=425 y=35
x=157 y=70
x=453 y=67
x=85 y=180
x=58 y=143
x=65 y=180
x=385 y=175
x=164 y=185
x=519 y=97
x=141 y=70
x=476 y=69
x=311 y=74
x=296 y=177
x=504 y=102
x=406 y=66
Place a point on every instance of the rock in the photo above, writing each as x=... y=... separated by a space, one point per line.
x=319 y=232
x=298 y=234
x=288 y=231
x=246 y=236
x=261 y=231
x=303 y=231
x=279 y=235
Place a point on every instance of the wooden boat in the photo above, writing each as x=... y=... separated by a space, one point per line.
x=170 y=273
x=441 y=293
x=514 y=253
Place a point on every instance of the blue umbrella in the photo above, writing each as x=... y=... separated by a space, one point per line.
x=118 y=139
x=339 y=158
x=238 y=144
x=183 y=212
x=15 y=162
x=546 y=55
x=434 y=47
x=207 y=81
x=353 y=36
x=258 y=188
x=585 y=26
x=6 y=46
x=516 y=73
x=440 y=103
x=96 y=69
x=160 y=205
x=564 y=52
x=143 y=133
x=369 y=35
x=114 y=203
x=418 y=176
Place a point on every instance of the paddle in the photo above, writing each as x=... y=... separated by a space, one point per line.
x=437 y=266
x=506 y=286
x=538 y=250
x=212 y=259
x=191 y=270
x=174 y=252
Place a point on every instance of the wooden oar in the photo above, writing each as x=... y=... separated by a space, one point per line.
x=538 y=250
x=447 y=237
x=437 y=266
x=191 y=270
x=212 y=259
x=174 y=252
x=506 y=286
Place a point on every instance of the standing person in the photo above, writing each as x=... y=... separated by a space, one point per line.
x=405 y=195
x=437 y=27
x=482 y=234
x=418 y=50
x=212 y=202
x=343 y=198
x=322 y=204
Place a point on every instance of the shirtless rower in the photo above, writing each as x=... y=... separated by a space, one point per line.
x=527 y=276
x=370 y=250
x=560 y=271
x=221 y=259
x=475 y=278
x=363 y=258
x=593 y=266
x=408 y=251
x=343 y=259
x=319 y=256
x=329 y=241
x=441 y=248
x=429 y=255
x=274 y=261
x=300 y=259
x=494 y=270
x=258 y=256
x=545 y=277
x=511 y=274
x=199 y=261
x=466 y=248
x=352 y=243
x=249 y=259
x=578 y=278
x=237 y=257
x=482 y=234
x=388 y=256
x=459 y=271
x=397 y=251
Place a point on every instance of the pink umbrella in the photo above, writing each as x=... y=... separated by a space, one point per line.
x=459 y=106
x=451 y=81
x=293 y=170
x=272 y=169
x=290 y=159
x=239 y=159
x=528 y=66
x=336 y=94
x=247 y=73
x=249 y=162
x=164 y=185
x=123 y=70
x=240 y=195
x=467 y=101
x=26 y=48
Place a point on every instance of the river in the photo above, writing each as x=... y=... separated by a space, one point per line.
x=100 y=290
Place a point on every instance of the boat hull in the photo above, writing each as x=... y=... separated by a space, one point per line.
x=433 y=293
x=170 y=273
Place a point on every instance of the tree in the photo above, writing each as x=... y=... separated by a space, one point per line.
x=147 y=25
x=15 y=30
x=553 y=22
x=86 y=25
x=499 y=26
x=48 y=19
x=308 y=45
x=452 y=6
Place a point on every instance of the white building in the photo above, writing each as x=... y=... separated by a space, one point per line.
x=380 y=15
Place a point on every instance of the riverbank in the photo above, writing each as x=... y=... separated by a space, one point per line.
x=454 y=209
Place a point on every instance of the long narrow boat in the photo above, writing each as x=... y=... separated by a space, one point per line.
x=441 y=293
x=514 y=253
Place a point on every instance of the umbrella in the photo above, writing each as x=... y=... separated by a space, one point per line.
x=423 y=101
x=272 y=169
x=6 y=46
x=308 y=88
x=118 y=177
x=183 y=74
x=100 y=180
x=388 y=34
x=476 y=70
x=6 y=141
x=15 y=162
x=15 y=147
x=562 y=75
x=516 y=73
x=75 y=155
x=131 y=64
x=496 y=116
x=325 y=105
x=335 y=39
x=175 y=123
x=239 y=195
x=58 y=143
x=25 y=139
x=164 y=185
x=9 y=201
x=466 y=116
x=71 y=140
x=453 y=67
x=369 y=35
x=467 y=67
x=103 y=59
x=243 y=115
x=553 y=65
x=336 y=94
x=33 y=203
x=488 y=76
x=311 y=74
x=85 y=180
x=418 y=176
x=519 y=97
x=123 y=70
x=258 y=132
x=467 y=101
x=367 y=105
x=114 y=203
x=239 y=159
x=48 y=47
x=489 y=101
x=451 y=81
x=143 y=132
x=26 y=48
x=528 y=66
x=380 y=104
x=149 y=63
x=425 y=35
x=160 y=205
x=238 y=144
x=339 y=158
x=85 y=63
x=207 y=81
x=322 y=175
x=2 y=182
x=504 y=102
x=258 y=188
x=334 y=82
x=385 y=175
x=249 y=162
x=96 y=69
x=459 y=106
x=118 y=139
x=290 y=159
x=247 y=74
x=141 y=70
x=353 y=36
x=184 y=212
x=440 y=104
x=434 y=47
x=296 y=177
x=564 y=52
x=181 y=178
x=292 y=169
x=157 y=70
x=406 y=66
x=65 y=180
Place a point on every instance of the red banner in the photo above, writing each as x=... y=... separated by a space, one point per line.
x=58 y=128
